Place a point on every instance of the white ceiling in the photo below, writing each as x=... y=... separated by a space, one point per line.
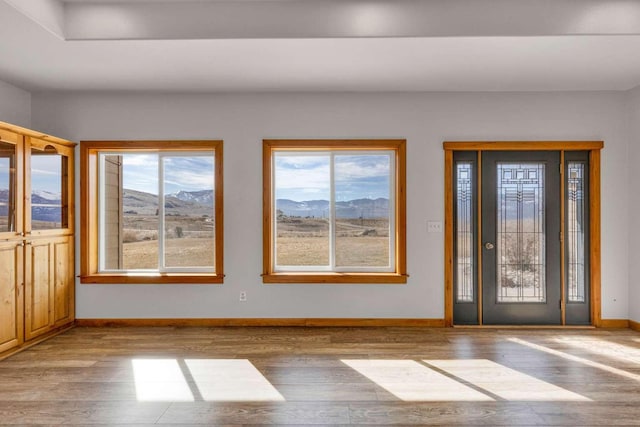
x=320 y=45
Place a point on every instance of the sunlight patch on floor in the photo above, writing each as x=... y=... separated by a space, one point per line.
x=231 y=380
x=212 y=380
x=160 y=380
x=578 y=359
x=411 y=381
x=602 y=347
x=504 y=382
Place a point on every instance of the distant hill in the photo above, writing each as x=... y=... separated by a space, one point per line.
x=45 y=206
x=37 y=197
x=203 y=197
x=181 y=203
x=365 y=208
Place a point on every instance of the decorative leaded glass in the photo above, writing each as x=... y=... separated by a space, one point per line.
x=520 y=225
x=465 y=250
x=576 y=224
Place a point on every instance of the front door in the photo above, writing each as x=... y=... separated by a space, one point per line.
x=520 y=237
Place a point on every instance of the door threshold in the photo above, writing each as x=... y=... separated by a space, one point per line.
x=524 y=326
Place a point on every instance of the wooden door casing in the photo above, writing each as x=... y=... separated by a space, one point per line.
x=594 y=227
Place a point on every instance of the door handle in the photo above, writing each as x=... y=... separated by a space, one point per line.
x=488 y=245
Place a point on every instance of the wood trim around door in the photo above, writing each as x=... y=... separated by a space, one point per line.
x=593 y=147
x=594 y=237
x=448 y=240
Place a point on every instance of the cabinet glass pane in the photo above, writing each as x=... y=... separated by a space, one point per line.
x=7 y=187
x=189 y=196
x=49 y=199
x=520 y=226
x=576 y=225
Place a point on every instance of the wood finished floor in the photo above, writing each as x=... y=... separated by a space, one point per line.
x=325 y=376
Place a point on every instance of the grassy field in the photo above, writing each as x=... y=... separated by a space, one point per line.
x=359 y=242
x=350 y=251
x=189 y=241
x=300 y=241
x=185 y=252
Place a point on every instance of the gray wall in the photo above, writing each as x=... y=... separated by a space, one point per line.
x=15 y=105
x=634 y=202
x=424 y=119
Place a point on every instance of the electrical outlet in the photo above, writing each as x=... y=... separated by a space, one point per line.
x=243 y=296
x=434 y=226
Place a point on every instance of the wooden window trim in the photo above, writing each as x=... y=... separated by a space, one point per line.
x=89 y=242
x=271 y=146
x=593 y=147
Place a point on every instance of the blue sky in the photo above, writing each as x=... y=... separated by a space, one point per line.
x=307 y=176
x=193 y=173
x=4 y=173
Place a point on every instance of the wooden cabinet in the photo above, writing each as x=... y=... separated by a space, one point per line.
x=36 y=235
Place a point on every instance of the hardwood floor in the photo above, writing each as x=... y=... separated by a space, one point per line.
x=325 y=376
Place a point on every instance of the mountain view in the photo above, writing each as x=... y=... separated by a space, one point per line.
x=358 y=208
x=45 y=205
x=180 y=203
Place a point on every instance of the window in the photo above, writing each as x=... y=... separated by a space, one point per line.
x=334 y=211
x=152 y=212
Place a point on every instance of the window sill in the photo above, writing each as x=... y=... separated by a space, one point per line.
x=335 y=278
x=153 y=279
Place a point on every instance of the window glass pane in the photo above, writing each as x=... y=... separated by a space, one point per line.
x=302 y=203
x=49 y=204
x=465 y=248
x=362 y=200
x=129 y=212
x=576 y=225
x=189 y=197
x=7 y=187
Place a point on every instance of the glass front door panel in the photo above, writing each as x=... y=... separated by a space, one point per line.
x=7 y=187
x=49 y=204
x=520 y=232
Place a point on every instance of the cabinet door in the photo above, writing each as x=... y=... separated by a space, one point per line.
x=11 y=297
x=39 y=287
x=49 y=284
x=48 y=188
x=64 y=281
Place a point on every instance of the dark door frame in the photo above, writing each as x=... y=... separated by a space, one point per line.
x=593 y=147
